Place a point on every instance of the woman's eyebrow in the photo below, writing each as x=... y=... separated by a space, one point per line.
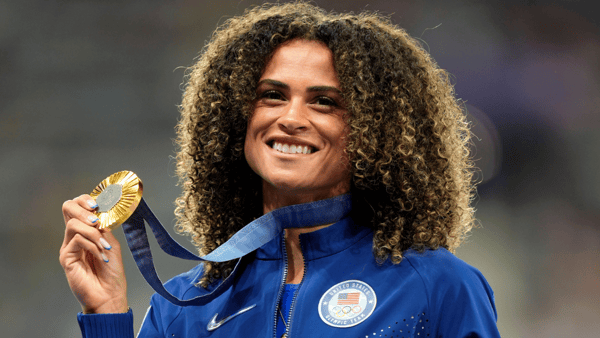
x=274 y=83
x=309 y=89
x=324 y=89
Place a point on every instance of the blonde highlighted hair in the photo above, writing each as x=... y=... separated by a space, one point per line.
x=407 y=142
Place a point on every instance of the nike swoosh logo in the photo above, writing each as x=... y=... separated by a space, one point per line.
x=213 y=324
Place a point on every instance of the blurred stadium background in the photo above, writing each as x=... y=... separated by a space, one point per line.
x=88 y=88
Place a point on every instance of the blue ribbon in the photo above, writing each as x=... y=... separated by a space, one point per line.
x=249 y=238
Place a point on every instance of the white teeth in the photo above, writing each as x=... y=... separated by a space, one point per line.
x=291 y=149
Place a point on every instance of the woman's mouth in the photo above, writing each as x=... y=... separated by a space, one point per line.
x=287 y=148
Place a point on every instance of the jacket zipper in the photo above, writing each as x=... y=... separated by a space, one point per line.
x=282 y=286
x=289 y=319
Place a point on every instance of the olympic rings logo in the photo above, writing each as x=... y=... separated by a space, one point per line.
x=347 y=310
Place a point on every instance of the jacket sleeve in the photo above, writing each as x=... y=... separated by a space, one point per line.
x=117 y=325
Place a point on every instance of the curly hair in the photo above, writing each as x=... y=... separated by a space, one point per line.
x=408 y=139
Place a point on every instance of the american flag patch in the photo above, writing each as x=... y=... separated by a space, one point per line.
x=348 y=298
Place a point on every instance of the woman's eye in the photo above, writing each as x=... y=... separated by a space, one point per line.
x=272 y=95
x=325 y=101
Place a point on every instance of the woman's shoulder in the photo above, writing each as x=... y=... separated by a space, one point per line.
x=439 y=263
x=181 y=283
x=185 y=285
x=441 y=270
x=448 y=279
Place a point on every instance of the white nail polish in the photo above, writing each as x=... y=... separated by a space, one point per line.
x=104 y=257
x=105 y=244
x=92 y=204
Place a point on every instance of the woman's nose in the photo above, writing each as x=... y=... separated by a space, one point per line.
x=294 y=117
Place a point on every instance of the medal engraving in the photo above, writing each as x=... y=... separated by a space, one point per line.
x=109 y=197
x=117 y=196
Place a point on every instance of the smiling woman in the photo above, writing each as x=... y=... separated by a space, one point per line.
x=296 y=110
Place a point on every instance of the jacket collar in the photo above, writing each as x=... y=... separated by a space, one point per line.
x=321 y=243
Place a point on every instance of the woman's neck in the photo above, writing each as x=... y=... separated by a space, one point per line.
x=275 y=198
x=295 y=260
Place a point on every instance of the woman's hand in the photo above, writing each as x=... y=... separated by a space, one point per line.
x=92 y=260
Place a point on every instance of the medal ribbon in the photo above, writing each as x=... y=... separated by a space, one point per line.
x=249 y=238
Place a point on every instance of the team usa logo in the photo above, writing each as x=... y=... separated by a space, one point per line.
x=347 y=304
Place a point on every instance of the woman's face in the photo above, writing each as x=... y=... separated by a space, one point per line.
x=296 y=136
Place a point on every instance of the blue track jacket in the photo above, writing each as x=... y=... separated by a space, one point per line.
x=429 y=294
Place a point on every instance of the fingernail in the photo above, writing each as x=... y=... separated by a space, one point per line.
x=93 y=219
x=92 y=204
x=104 y=257
x=105 y=244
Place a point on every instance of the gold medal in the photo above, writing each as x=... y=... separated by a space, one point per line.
x=117 y=196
